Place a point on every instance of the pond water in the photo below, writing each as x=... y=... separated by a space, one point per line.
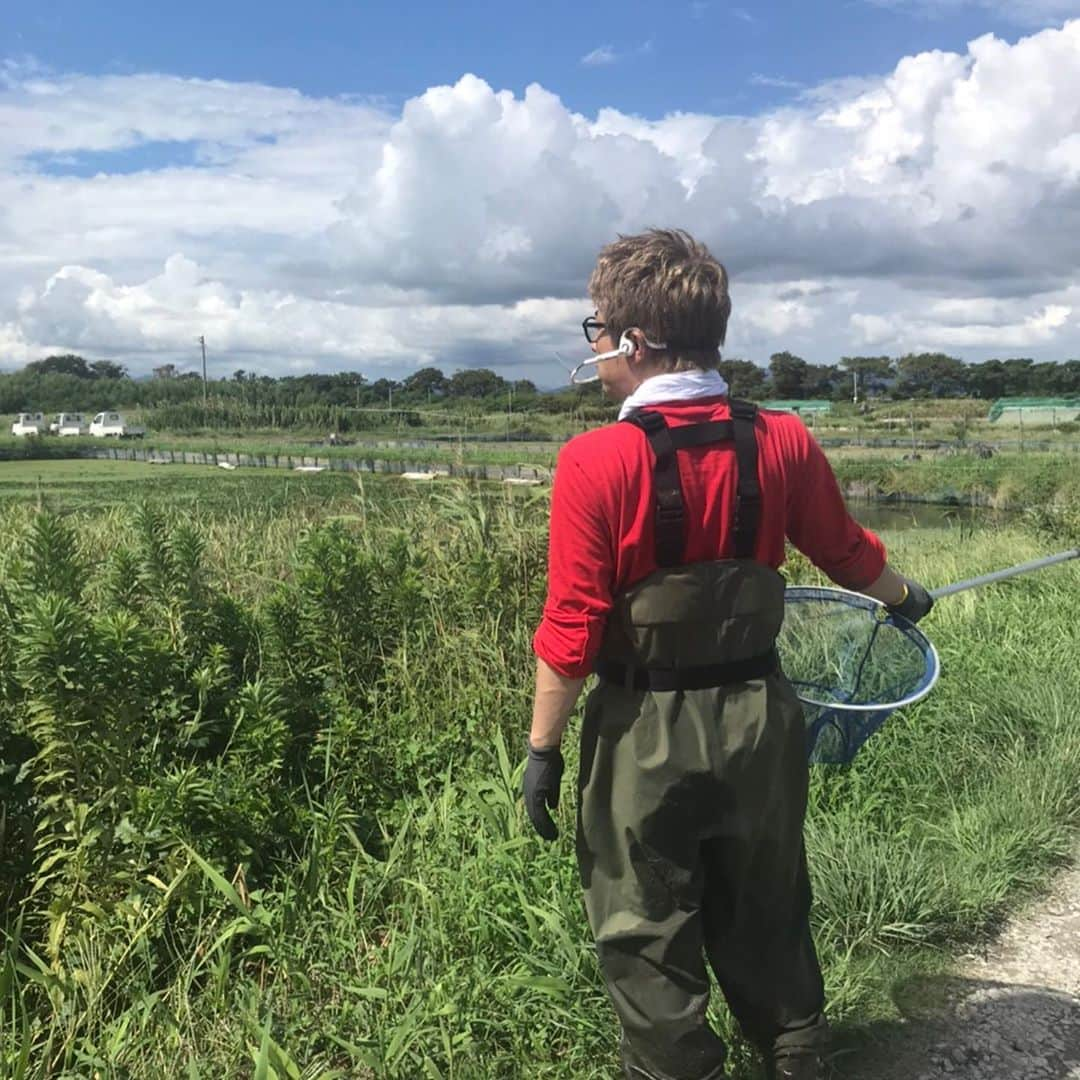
x=899 y=516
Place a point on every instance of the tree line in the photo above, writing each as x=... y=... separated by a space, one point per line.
x=68 y=381
x=936 y=375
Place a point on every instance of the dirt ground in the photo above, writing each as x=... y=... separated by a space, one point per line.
x=1010 y=1011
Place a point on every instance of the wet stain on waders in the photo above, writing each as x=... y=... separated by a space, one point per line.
x=678 y=826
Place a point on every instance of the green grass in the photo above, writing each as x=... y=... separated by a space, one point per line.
x=97 y=486
x=279 y=778
x=953 y=473
x=392 y=446
x=82 y=470
x=1005 y=480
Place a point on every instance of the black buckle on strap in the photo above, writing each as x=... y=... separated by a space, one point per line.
x=669 y=504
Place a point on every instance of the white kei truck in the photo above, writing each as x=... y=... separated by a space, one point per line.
x=68 y=424
x=112 y=425
x=29 y=423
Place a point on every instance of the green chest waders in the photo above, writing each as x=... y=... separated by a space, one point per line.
x=692 y=794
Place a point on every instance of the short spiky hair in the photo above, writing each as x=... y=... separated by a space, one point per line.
x=668 y=284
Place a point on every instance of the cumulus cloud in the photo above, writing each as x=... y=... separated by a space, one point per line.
x=938 y=204
x=87 y=309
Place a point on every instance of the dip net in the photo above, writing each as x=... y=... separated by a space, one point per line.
x=852 y=663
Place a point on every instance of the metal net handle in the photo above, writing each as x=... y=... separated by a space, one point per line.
x=1001 y=575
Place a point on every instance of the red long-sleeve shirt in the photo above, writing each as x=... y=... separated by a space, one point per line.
x=602 y=509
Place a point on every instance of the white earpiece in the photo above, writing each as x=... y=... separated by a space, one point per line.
x=627 y=347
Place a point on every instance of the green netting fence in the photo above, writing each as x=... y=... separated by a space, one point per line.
x=1053 y=409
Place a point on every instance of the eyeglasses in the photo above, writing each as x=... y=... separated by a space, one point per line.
x=594 y=329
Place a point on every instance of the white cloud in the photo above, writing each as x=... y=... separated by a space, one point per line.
x=81 y=308
x=42 y=114
x=874 y=329
x=605 y=55
x=769 y=312
x=14 y=348
x=774 y=81
x=976 y=322
x=601 y=56
x=939 y=203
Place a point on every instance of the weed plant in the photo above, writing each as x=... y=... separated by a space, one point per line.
x=260 y=772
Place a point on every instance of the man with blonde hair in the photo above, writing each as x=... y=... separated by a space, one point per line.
x=667 y=532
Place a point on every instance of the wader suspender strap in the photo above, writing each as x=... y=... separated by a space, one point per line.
x=668 y=513
x=670 y=520
x=748 y=493
x=670 y=516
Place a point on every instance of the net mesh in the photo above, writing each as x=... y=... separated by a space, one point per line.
x=852 y=664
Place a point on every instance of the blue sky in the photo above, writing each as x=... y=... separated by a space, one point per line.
x=379 y=186
x=708 y=55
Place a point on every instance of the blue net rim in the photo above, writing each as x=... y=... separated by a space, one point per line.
x=932 y=670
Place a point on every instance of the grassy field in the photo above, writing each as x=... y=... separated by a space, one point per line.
x=1005 y=481
x=94 y=486
x=936 y=418
x=260 y=775
x=482 y=437
x=386 y=448
x=79 y=471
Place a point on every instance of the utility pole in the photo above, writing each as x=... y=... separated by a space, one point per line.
x=202 y=342
x=855 y=386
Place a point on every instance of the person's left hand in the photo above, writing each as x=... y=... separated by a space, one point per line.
x=543 y=778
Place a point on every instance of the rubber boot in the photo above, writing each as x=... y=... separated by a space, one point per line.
x=799 y=1066
x=633 y=1069
x=636 y=1072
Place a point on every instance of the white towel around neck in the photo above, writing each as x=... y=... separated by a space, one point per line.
x=674 y=386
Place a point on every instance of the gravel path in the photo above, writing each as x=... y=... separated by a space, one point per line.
x=1011 y=1012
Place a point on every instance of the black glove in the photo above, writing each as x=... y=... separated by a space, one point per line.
x=543 y=775
x=916 y=603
